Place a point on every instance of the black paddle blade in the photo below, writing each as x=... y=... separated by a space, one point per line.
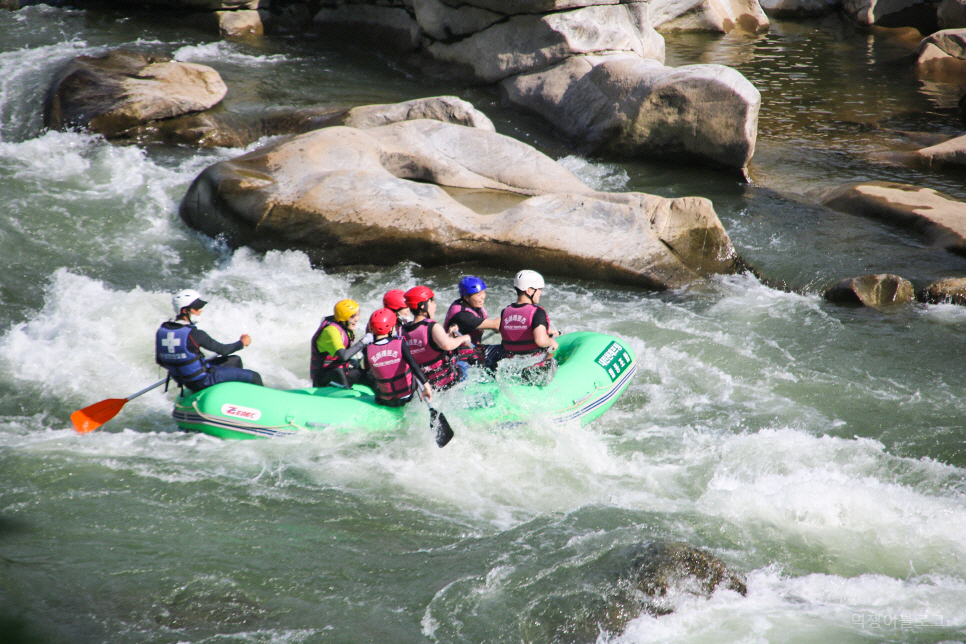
x=444 y=433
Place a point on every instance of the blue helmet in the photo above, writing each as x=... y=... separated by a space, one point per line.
x=470 y=285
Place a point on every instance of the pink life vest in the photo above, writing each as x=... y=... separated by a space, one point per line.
x=394 y=378
x=437 y=366
x=476 y=353
x=516 y=329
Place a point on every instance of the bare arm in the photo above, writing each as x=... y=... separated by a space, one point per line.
x=446 y=342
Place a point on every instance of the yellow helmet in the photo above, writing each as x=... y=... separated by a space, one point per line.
x=345 y=309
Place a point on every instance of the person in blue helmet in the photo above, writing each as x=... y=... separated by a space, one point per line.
x=178 y=345
x=468 y=317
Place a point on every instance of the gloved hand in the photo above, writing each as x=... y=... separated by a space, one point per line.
x=368 y=339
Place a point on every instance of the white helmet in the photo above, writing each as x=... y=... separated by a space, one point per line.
x=186 y=298
x=528 y=279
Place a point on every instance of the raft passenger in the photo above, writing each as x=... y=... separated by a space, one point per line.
x=468 y=317
x=333 y=347
x=393 y=368
x=525 y=327
x=430 y=344
x=178 y=345
x=395 y=301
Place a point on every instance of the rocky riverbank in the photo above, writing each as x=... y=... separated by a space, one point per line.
x=592 y=68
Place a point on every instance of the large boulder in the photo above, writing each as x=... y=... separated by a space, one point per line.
x=722 y=16
x=632 y=107
x=448 y=109
x=123 y=90
x=937 y=217
x=437 y=193
x=943 y=55
x=875 y=291
x=534 y=41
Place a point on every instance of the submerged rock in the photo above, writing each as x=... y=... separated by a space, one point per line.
x=937 y=217
x=438 y=193
x=123 y=90
x=875 y=291
x=622 y=585
x=951 y=291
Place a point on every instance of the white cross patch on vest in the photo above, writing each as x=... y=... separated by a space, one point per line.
x=170 y=342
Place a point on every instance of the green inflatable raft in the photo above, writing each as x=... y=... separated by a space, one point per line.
x=594 y=369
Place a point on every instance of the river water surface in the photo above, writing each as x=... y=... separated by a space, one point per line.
x=816 y=449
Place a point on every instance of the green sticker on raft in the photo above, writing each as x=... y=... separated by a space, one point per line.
x=615 y=360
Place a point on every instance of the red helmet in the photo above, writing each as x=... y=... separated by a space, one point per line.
x=394 y=299
x=382 y=322
x=417 y=295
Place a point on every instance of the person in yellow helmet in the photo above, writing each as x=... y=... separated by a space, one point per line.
x=334 y=345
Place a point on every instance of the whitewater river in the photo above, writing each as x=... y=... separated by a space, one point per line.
x=817 y=449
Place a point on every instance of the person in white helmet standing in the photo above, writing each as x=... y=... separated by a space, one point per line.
x=178 y=345
x=524 y=325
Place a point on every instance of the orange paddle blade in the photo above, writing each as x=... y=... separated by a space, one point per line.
x=90 y=418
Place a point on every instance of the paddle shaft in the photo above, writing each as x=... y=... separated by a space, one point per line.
x=147 y=389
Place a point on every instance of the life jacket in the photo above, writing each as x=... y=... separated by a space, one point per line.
x=475 y=353
x=322 y=361
x=437 y=365
x=394 y=379
x=516 y=329
x=173 y=351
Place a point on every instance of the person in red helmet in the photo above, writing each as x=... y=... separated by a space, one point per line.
x=391 y=365
x=430 y=344
x=395 y=301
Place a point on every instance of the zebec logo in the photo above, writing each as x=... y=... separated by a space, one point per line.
x=237 y=411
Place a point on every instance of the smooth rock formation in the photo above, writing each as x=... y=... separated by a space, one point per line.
x=631 y=107
x=723 y=16
x=946 y=291
x=949 y=152
x=876 y=291
x=942 y=55
x=400 y=192
x=527 y=42
x=938 y=218
x=448 y=109
x=123 y=90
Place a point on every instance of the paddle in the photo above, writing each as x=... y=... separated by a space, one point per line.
x=444 y=433
x=90 y=418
